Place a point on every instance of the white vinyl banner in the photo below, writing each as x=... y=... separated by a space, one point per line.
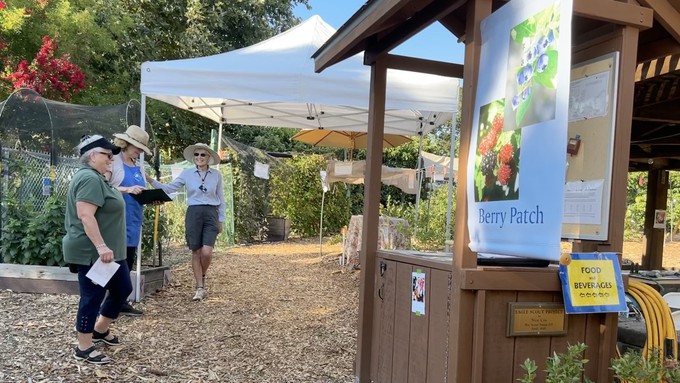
x=520 y=123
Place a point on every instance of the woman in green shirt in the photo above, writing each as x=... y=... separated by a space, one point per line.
x=95 y=230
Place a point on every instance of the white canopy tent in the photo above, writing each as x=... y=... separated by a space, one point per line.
x=273 y=83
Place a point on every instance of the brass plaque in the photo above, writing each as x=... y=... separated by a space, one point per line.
x=536 y=318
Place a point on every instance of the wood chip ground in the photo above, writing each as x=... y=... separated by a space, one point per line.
x=277 y=312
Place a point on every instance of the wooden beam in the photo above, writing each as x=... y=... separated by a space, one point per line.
x=511 y=279
x=453 y=25
x=657 y=153
x=424 y=66
x=666 y=15
x=657 y=67
x=410 y=27
x=615 y=12
x=9 y=270
x=660 y=116
x=348 y=40
x=658 y=48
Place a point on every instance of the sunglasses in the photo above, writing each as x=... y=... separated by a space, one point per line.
x=108 y=154
x=200 y=155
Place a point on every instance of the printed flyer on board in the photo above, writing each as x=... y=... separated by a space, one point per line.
x=520 y=128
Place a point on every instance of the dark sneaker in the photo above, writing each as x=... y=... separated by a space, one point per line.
x=91 y=355
x=130 y=311
x=101 y=337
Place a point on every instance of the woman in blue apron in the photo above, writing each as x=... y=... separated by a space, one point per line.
x=128 y=177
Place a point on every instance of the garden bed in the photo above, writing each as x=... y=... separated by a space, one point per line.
x=59 y=280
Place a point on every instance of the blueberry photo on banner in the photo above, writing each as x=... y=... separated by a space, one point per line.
x=520 y=118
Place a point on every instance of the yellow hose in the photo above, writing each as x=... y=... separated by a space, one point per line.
x=658 y=321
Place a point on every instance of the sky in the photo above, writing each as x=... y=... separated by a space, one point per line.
x=434 y=42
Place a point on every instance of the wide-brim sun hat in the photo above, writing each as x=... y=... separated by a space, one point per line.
x=137 y=137
x=96 y=141
x=189 y=153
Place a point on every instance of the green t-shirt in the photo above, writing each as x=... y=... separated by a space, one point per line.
x=87 y=185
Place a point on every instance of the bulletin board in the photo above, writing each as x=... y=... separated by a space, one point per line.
x=592 y=110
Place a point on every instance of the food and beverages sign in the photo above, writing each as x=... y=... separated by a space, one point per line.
x=517 y=158
x=592 y=283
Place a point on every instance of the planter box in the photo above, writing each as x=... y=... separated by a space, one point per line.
x=153 y=279
x=38 y=279
x=277 y=229
x=59 y=280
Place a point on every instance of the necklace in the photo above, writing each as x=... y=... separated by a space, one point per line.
x=202 y=187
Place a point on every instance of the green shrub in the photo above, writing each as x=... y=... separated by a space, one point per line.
x=632 y=367
x=42 y=240
x=431 y=228
x=33 y=238
x=296 y=195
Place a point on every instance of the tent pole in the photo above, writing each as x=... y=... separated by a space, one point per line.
x=219 y=137
x=449 y=203
x=323 y=197
x=138 y=266
x=419 y=181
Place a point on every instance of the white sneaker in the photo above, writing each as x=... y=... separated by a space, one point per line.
x=201 y=293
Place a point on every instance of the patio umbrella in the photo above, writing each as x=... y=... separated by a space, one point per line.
x=346 y=139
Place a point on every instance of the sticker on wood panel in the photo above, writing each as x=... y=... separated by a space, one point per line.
x=418 y=293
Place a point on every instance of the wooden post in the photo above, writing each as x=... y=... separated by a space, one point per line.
x=657 y=194
x=369 y=241
x=462 y=301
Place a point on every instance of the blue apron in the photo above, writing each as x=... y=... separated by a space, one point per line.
x=133 y=210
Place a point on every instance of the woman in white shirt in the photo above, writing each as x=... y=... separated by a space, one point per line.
x=206 y=208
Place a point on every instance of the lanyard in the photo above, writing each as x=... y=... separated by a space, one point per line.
x=202 y=187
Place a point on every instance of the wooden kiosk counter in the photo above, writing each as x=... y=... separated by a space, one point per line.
x=414 y=347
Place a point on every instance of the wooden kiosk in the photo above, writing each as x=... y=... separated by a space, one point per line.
x=464 y=334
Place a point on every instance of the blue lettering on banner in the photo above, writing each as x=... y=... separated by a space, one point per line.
x=517 y=217
x=492 y=217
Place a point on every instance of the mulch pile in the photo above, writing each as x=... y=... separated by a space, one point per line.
x=275 y=313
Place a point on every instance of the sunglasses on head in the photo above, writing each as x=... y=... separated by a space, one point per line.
x=200 y=155
x=108 y=154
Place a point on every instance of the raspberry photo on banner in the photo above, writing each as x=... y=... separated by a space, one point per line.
x=497 y=159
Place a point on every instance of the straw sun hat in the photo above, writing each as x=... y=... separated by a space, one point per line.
x=189 y=153
x=135 y=136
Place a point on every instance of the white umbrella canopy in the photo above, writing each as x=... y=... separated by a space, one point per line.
x=273 y=83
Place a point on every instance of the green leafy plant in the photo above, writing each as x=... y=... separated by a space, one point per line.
x=15 y=216
x=33 y=237
x=42 y=239
x=430 y=231
x=561 y=367
x=296 y=195
x=632 y=367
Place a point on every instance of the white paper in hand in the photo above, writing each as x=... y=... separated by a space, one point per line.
x=100 y=273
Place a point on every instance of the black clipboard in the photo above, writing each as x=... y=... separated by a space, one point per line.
x=148 y=196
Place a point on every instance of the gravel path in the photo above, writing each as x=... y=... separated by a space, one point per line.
x=275 y=313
